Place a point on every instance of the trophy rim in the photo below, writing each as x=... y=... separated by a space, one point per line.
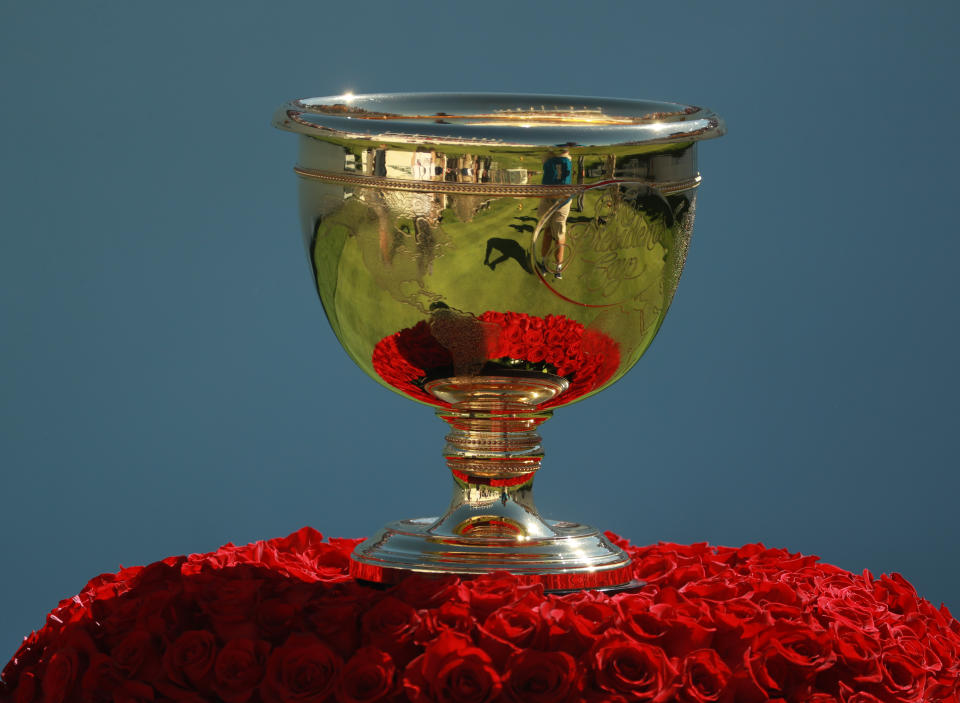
x=498 y=120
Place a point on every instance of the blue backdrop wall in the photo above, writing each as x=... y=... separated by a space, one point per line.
x=169 y=382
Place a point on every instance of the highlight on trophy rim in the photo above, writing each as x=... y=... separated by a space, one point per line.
x=495 y=257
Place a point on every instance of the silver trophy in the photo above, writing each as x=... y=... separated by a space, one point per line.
x=496 y=257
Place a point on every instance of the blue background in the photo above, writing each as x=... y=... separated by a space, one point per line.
x=169 y=382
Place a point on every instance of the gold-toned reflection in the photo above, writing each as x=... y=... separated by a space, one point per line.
x=498 y=308
x=495 y=280
x=422 y=284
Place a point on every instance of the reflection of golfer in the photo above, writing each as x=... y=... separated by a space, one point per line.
x=556 y=172
x=509 y=249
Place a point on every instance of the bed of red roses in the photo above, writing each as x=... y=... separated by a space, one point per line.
x=587 y=358
x=281 y=621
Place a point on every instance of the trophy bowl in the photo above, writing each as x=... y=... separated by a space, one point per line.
x=495 y=257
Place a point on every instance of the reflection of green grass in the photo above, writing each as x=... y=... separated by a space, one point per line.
x=325 y=267
x=367 y=300
x=476 y=282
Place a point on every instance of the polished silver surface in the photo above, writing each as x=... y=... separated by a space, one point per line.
x=496 y=257
x=570 y=557
x=499 y=120
x=490 y=140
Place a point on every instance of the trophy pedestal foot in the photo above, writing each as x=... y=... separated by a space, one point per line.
x=569 y=557
x=493 y=452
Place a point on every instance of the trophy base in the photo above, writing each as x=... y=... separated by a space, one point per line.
x=573 y=557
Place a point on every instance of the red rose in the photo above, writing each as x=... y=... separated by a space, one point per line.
x=24 y=660
x=60 y=675
x=902 y=676
x=508 y=630
x=452 y=670
x=454 y=616
x=159 y=582
x=686 y=573
x=944 y=684
x=497 y=320
x=644 y=620
x=403 y=357
x=275 y=617
x=738 y=619
x=488 y=592
x=624 y=666
x=770 y=592
x=788 y=655
x=742 y=687
x=703 y=676
x=304 y=555
x=897 y=593
x=674 y=625
x=532 y=338
x=862 y=697
x=188 y=662
x=521 y=624
x=858 y=652
x=26 y=690
x=369 y=676
x=595 y=695
x=750 y=624
x=303 y=670
x=117 y=616
x=239 y=668
x=336 y=622
x=302 y=541
x=542 y=677
x=723 y=587
x=133 y=692
x=655 y=567
x=107 y=586
x=137 y=656
x=391 y=625
x=848 y=610
x=569 y=630
x=419 y=347
x=427 y=590
x=225 y=556
x=919 y=651
x=537 y=353
x=100 y=679
x=513 y=338
x=229 y=597
x=159 y=612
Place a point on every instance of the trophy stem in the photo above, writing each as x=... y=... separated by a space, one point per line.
x=493 y=451
x=493 y=454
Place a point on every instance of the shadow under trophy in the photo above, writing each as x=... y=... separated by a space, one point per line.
x=496 y=257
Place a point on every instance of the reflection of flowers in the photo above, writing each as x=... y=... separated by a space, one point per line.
x=711 y=625
x=586 y=358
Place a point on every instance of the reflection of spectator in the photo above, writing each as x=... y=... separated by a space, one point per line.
x=380 y=163
x=423 y=169
x=463 y=335
x=556 y=171
x=467 y=170
x=580 y=174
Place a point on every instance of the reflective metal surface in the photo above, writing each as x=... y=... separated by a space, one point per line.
x=498 y=120
x=496 y=257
